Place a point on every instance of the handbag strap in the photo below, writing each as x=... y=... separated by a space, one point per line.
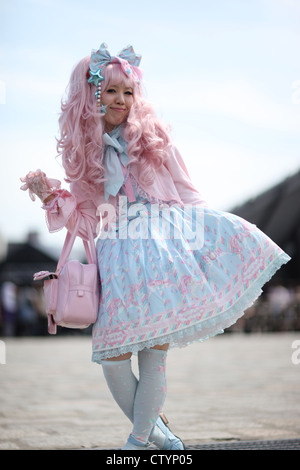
x=89 y=245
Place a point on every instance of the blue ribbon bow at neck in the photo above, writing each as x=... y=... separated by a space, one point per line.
x=115 y=154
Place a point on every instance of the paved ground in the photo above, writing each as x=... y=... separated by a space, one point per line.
x=283 y=444
x=231 y=392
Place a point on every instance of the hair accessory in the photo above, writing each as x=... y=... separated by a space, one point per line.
x=128 y=60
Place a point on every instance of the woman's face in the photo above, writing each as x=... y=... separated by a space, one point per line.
x=118 y=98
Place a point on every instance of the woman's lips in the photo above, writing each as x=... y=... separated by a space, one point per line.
x=118 y=110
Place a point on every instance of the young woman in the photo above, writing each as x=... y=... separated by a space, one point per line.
x=173 y=270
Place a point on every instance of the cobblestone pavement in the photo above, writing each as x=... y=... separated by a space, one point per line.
x=234 y=391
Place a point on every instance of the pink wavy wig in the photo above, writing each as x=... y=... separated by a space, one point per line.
x=81 y=128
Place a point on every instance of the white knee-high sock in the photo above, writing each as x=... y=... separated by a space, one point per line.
x=122 y=383
x=140 y=401
x=150 y=393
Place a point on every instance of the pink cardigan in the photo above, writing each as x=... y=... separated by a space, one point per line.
x=172 y=185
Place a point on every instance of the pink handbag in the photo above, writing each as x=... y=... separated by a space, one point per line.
x=72 y=293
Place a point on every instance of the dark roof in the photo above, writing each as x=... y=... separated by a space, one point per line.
x=23 y=260
x=26 y=253
x=277 y=213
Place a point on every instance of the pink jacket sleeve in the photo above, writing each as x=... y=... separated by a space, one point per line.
x=63 y=210
x=187 y=191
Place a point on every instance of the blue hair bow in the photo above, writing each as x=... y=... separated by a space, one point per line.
x=100 y=58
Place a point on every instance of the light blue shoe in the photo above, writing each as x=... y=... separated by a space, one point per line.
x=162 y=436
x=133 y=444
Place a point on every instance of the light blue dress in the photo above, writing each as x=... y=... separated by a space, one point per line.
x=177 y=278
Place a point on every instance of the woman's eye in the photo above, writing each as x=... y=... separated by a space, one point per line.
x=112 y=90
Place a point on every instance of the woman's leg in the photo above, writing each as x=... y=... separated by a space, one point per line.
x=142 y=401
x=121 y=382
x=150 y=393
x=123 y=357
x=162 y=347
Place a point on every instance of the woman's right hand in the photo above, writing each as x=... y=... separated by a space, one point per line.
x=39 y=185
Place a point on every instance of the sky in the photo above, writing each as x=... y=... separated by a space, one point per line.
x=225 y=74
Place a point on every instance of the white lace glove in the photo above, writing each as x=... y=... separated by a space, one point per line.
x=39 y=185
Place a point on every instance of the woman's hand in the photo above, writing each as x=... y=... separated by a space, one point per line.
x=39 y=185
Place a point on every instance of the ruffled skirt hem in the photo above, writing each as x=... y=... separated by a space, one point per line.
x=204 y=329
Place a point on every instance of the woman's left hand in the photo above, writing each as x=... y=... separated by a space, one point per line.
x=39 y=185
